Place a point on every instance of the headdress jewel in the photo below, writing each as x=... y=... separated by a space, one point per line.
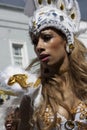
x=60 y=14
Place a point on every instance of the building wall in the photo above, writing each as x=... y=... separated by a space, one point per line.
x=13 y=28
x=83 y=35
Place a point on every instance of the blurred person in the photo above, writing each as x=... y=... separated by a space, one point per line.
x=12 y=119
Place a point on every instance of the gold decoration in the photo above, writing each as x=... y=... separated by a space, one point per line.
x=48 y=116
x=58 y=121
x=49 y=1
x=73 y=16
x=82 y=110
x=20 y=79
x=34 y=24
x=70 y=125
x=81 y=125
x=38 y=81
x=5 y=92
x=62 y=7
x=40 y=2
x=71 y=46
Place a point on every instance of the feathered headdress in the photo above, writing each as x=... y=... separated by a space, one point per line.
x=61 y=14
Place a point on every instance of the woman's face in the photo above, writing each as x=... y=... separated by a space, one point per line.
x=50 y=47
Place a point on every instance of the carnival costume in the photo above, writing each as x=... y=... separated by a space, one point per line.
x=65 y=16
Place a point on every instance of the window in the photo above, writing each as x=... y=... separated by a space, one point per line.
x=19 y=54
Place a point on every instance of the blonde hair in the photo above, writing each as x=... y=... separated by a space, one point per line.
x=78 y=69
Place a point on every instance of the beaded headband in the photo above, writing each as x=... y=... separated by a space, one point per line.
x=63 y=15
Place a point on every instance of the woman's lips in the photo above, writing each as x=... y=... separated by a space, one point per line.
x=44 y=57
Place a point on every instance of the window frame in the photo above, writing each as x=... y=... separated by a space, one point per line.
x=25 y=59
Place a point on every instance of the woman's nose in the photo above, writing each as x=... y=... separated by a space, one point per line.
x=40 y=46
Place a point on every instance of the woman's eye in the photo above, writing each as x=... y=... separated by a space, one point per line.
x=46 y=37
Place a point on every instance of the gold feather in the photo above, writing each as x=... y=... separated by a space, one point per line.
x=5 y=92
x=21 y=79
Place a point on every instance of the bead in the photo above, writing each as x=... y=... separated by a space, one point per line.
x=49 y=1
x=40 y=2
x=73 y=16
x=62 y=7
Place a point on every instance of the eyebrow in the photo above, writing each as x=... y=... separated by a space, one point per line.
x=44 y=33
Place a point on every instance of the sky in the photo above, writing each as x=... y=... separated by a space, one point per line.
x=19 y=3
x=82 y=4
x=83 y=8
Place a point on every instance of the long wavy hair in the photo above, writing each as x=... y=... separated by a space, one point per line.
x=76 y=76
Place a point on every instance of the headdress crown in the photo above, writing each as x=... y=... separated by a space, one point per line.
x=61 y=14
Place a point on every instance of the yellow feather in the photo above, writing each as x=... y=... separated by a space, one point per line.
x=5 y=92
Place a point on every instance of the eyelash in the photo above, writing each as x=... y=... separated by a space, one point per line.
x=46 y=37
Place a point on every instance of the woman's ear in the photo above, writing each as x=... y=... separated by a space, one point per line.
x=65 y=42
x=65 y=45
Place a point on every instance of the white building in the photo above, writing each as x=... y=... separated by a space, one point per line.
x=15 y=46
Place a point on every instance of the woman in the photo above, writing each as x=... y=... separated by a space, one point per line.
x=64 y=84
x=59 y=103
